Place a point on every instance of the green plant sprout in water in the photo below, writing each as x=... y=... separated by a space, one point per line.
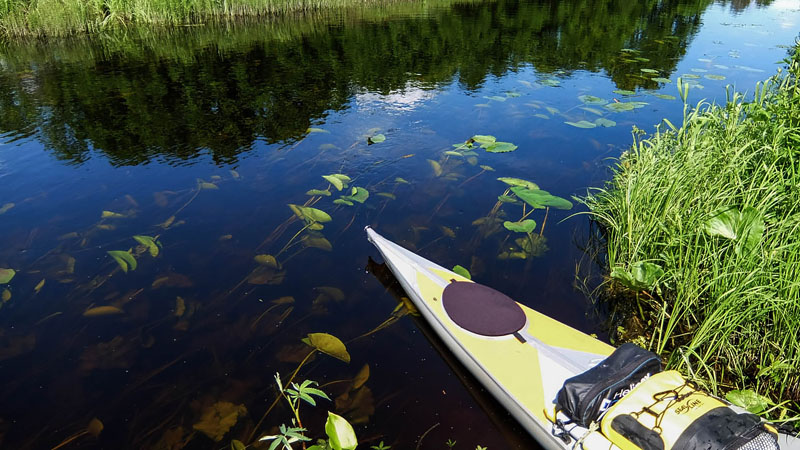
x=338 y=430
x=530 y=197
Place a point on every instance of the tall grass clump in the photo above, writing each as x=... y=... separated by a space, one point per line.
x=702 y=229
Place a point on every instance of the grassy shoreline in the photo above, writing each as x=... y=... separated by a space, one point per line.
x=702 y=229
x=63 y=18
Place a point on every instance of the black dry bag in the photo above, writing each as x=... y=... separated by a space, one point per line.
x=586 y=396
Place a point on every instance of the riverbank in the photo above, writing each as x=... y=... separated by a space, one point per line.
x=702 y=228
x=62 y=18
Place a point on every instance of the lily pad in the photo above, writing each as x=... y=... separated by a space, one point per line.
x=603 y=122
x=341 y=201
x=437 y=168
x=357 y=194
x=552 y=82
x=484 y=139
x=6 y=275
x=310 y=214
x=340 y=433
x=500 y=147
x=624 y=92
x=541 y=116
x=496 y=98
x=461 y=270
x=325 y=193
x=581 y=124
x=593 y=110
x=525 y=226
x=518 y=182
x=620 y=106
x=642 y=275
x=662 y=80
x=715 y=77
x=266 y=260
x=376 y=139
x=664 y=96
x=152 y=245
x=592 y=100
x=328 y=344
x=539 y=198
x=337 y=182
x=649 y=70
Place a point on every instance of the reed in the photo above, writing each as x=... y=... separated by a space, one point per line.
x=60 y=18
x=726 y=309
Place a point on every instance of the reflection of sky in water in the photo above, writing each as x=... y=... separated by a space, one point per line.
x=406 y=99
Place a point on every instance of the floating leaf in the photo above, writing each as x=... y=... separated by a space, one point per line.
x=401 y=180
x=552 y=82
x=593 y=110
x=699 y=70
x=168 y=222
x=507 y=199
x=512 y=94
x=461 y=270
x=335 y=181
x=552 y=110
x=376 y=139
x=525 y=226
x=643 y=275
x=341 y=201
x=452 y=153
x=518 y=182
x=484 y=139
x=150 y=243
x=111 y=215
x=6 y=275
x=388 y=195
x=328 y=344
x=664 y=96
x=310 y=214
x=592 y=100
x=581 y=124
x=638 y=104
x=541 y=116
x=748 y=399
x=218 y=419
x=539 y=198
x=340 y=433
x=690 y=76
x=4 y=209
x=715 y=77
x=619 y=107
x=5 y=296
x=496 y=98
x=207 y=185
x=437 y=168
x=603 y=122
x=316 y=130
x=624 y=92
x=649 y=70
x=360 y=195
x=39 y=286
x=500 y=147
x=662 y=80
x=266 y=260
x=487 y=168
x=102 y=311
x=472 y=160
x=325 y=193
x=124 y=259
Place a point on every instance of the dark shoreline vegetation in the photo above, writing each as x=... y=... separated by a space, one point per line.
x=701 y=227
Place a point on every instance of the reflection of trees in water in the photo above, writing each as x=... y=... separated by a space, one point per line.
x=173 y=94
x=741 y=5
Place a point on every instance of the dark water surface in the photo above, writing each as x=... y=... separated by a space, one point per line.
x=201 y=137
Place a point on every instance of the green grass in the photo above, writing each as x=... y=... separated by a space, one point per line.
x=59 y=18
x=715 y=204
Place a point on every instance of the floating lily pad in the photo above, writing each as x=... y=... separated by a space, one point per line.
x=662 y=80
x=619 y=106
x=593 y=110
x=592 y=100
x=552 y=82
x=341 y=201
x=715 y=77
x=6 y=275
x=623 y=92
x=496 y=98
x=124 y=259
x=697 y=70
x=518 y=182
x=316 y=130
x=581 y=124
x=552 y=110
x=500 y=147
x=337 y=182
x=541 y=116
x=460 y=270
x=525 y=226
x=690 y=76
x=664 y=96
x=452 y=153
x=603 y=122
x=484 y=139
x=377 y=139
x=649 y=70
x=325 y=193
x=328 y=344
x=539 y=198
x=437 y=168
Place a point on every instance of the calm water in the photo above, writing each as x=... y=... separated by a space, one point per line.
x=201 y=137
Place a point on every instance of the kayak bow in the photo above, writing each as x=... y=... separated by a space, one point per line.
x=519 y=355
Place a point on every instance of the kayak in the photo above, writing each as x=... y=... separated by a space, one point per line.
x=520 y=356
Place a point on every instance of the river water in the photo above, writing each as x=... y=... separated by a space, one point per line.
x=196 y=140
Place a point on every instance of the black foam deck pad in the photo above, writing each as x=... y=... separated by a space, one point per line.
x=481 y=309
